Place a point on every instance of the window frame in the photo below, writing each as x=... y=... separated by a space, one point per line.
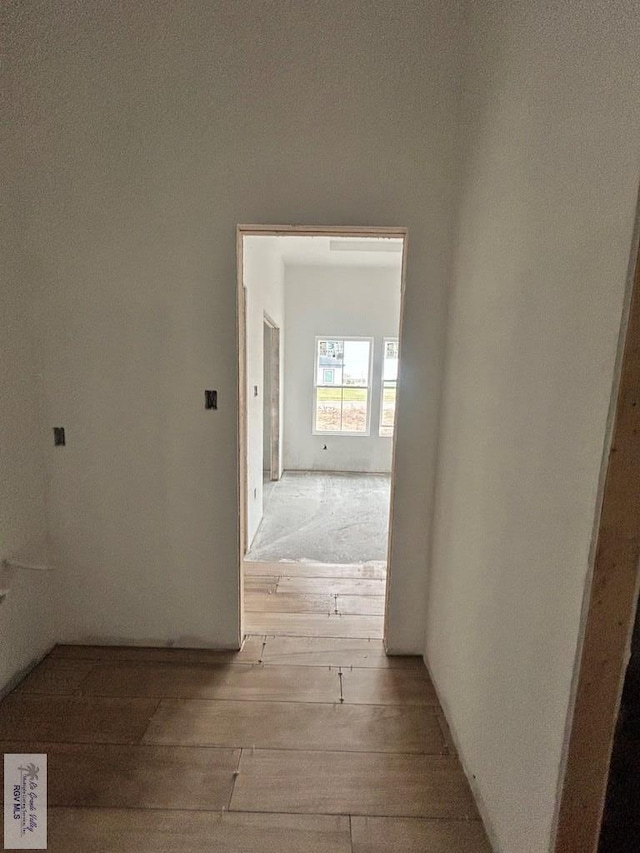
x=368 y=387
x=391 y=382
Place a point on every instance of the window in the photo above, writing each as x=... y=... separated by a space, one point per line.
x=342 y=385
x=389 y=386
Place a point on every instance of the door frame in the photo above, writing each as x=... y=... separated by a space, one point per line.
x=243 y=231
x=274 y=397
x=610 y=604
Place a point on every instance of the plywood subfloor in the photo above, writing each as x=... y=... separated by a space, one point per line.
x=308 y=740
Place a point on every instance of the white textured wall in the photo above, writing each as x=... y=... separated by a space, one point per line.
x=335 y=301
x=146 y=131
x=552 y=136
x=264 y=282
x=27 y=614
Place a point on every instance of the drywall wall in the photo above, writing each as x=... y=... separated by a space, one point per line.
x=335 y=301
x=27 y=613
x=147 y=131
x=264 y=283
x=547 y=196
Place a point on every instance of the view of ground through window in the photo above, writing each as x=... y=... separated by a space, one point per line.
x=343 y=386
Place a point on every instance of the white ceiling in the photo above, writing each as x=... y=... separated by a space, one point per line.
x=296 y=250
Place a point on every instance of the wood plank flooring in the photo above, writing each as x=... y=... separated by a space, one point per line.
x=289 y=725
x=136 y=830
x=308 y=739
x=364 y=783
x=315 y=625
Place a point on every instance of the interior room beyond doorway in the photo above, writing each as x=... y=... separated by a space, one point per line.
x=319 y=362
x=324 y=517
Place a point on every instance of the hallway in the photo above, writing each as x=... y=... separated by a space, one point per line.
x=308 y=740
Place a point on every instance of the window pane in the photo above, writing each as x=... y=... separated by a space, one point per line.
x=329 y=376
x=356 y=363
x=342 y=375
x=388 y=416
x=390 y=367
x=330 y=358
x=330 y=353
x=328 y=409
x=354 y=409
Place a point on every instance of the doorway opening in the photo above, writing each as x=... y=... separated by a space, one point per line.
x=319 y=330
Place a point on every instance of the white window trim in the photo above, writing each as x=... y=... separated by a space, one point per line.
x=369 y=387
x=382 y=381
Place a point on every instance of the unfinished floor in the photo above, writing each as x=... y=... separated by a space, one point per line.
x=324 y=517
x=308 y=740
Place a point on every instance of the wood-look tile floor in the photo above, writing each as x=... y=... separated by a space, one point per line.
x=308 y=740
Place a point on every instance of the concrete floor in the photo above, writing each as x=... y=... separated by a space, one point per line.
x=328 y=518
